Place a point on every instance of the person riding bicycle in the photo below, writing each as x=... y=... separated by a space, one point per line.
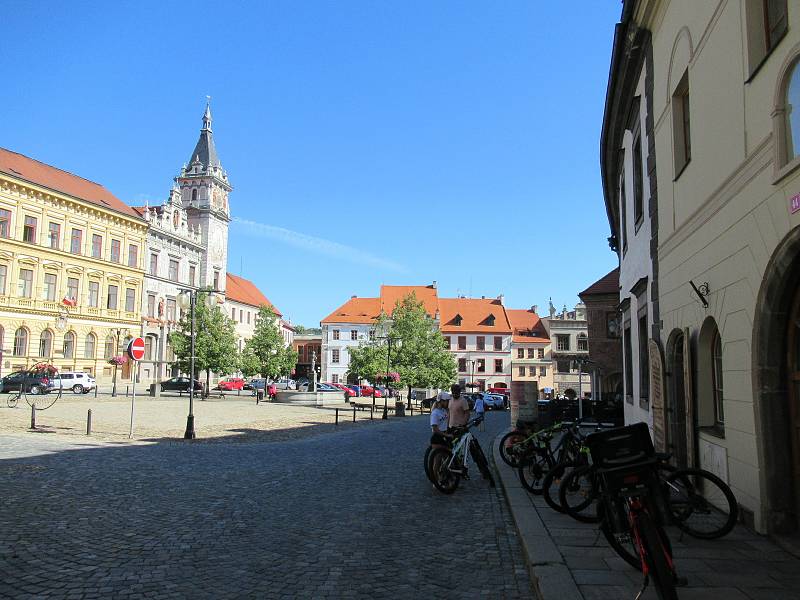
x=439 y=418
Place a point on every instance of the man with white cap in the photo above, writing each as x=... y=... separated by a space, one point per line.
x=439 y=418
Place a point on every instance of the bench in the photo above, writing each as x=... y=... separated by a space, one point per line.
x=362 y=405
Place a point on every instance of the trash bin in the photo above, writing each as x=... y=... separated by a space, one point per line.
x=259 y=395
x=399 y=409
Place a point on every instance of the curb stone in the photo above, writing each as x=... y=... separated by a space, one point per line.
x=548 y=570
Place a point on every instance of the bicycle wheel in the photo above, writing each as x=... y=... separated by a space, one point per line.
x=552 y=482
x=41 y=399
x=427 y=463
x=12 y=400
x=701 y=503
x=476 y=452
x=623 y=544
x=443 y=478
x=658 y=558
x=508 y=453
x=533 y=470
x=578 y=496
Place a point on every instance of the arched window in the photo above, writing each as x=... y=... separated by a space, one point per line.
x=792 y=123
x=148 y=347
x=89 y=346
x=194 y=194
x=69 y=345
x=45 y=344
x=21 y=342
x=710 y=375
x=108 y=351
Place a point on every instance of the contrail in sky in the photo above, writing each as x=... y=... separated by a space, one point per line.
x=318 y=245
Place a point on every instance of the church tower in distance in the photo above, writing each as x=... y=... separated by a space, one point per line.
x=204 y=189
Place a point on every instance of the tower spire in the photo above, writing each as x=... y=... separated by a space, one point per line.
x=205 y=152
x=207 y=115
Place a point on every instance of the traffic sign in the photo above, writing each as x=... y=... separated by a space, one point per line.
x=136 y=348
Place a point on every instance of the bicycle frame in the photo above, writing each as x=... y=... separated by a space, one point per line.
x=460 y=450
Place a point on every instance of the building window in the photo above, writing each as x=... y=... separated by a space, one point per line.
x=216 y=280
x=498 y=365
x=133 y=255
x=3 y=277
x=72 y=289
x=490 y=320
x=50 y=287
x=89 y=345
x=540 y=352
x=716 y=358
x=767 y=23
x=25 y=285
x=94 y=294
x=5 y=223
x=130 y=299
x=54 y=235
x=154 y=264
x=69 y=345
x=192 y=274
x=335 y=356
x=638 y=184
x=335 y=334
x=563 y=366
x=372 y=335
x=462 y=365
x=248 y=317
x=623 y=210
x=481 y=365
x=76 y=241
x=562 y=342
x=457 y=320
x=45 y=344
x=110 y=348
x=520 y=353
x=29 y=230
x=116 y=251
x=498 y=342
x=542 y=371
x=681 y=138
x=171 y=309
x=148 y=347
x=241 y=315
x=583 y=342
x=353 y=334
x=462 y=342
x=792 y=118
x=97 y=246
x=644 y=363
x=112 y=297
x=173 y=270
x=21 y=342
x=194 y=194
x=532 y=371
x=447 y=342
x=521 y=371
x=530 y=352
x=151 y=306
x=480 y=342
x=627 y=356
x=233 y=313
x=481 y=385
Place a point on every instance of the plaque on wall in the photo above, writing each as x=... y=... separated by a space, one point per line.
x=657 y=395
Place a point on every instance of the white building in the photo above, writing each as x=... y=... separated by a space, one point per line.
x=242 y=303
x=569 y=340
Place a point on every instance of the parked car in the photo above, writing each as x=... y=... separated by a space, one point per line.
x=79 y=383
x=498 y=390
x=327 y=387
x=494 y=401
x=344 y=388
x=285 y=384
x=356 y=389
x=178 y=384
x=366 y=390
x=231 y=384
x=34 y=383
x=255 y=384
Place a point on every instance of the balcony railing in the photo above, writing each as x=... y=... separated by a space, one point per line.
x=54 y=308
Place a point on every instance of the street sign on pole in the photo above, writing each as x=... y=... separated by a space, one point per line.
x=135 y=348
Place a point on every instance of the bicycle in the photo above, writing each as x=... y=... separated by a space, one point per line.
x=520 y=442
x=13 y=400
x=448 y=466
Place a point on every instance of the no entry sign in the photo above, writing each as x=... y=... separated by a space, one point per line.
x=136 y=348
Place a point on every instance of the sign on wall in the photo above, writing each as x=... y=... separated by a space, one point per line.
x=794 y=204
x=657 y=395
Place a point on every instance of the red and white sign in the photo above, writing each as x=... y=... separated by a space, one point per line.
x=794 y=203
x=136 y=348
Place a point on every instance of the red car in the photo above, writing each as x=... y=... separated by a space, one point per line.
x=366 y=390
x=230 y=384
x=344 y=388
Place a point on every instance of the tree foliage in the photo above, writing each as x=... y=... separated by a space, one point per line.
x=266 y=353
x=215 y=340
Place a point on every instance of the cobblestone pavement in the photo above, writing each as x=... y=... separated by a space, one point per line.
x=349 y=514
x=572 y=560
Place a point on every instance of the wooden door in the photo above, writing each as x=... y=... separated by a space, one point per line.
x=676 y=409
x=793 y=372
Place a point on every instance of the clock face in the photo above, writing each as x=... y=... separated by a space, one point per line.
x=215 y=244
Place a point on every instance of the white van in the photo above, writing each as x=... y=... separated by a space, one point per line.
x=79 y=383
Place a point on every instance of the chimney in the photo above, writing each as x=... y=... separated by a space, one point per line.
x=533 y=308
x=353 y=296
x=434 y=284
x=483 y=297
x=501 y=297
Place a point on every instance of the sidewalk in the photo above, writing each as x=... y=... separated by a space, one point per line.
x=570 y=560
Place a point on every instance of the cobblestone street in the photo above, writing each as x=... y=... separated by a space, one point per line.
x=345 y=514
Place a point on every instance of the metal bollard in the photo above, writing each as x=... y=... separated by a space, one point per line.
x=95 y=391
x=127 y=387
x=337 y=416
x=354 y=413
x=371 y=410
x=89 y=422
x=33 y=417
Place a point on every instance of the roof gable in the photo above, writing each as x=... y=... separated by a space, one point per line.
x=477 y=315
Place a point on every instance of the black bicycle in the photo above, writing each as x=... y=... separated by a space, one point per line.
x=447 y=466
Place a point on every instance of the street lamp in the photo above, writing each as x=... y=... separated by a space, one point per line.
x=389 y=339
x=188 y=299
x=116 y=350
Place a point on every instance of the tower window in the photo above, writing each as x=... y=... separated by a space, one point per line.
x=194 y=194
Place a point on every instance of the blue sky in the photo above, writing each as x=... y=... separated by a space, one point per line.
x=367 y=142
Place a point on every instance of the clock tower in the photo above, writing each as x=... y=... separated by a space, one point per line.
x=204 y=189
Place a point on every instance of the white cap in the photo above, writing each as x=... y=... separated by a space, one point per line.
x=444 y=396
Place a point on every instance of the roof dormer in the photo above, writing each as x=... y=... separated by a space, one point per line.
x=488 y=321
x=457 y=320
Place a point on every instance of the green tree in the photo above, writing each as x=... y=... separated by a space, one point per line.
x=215 y=341
x=248 y=363
x=266 y=352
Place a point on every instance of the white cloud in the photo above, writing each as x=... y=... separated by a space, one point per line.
x=317 y=245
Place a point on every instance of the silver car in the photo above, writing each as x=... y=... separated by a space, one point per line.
x=78 y=382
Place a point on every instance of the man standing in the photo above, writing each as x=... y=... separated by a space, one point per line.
x=458 y=407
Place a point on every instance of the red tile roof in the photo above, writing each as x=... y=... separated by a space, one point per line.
x=392 y=294
x=474 y=315
x=244 y=291
x=356 y=310
x=528 y=328
x=609 y=284
x=27 y=169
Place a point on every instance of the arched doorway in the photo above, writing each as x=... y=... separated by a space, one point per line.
x=675 y=410
x=774 y=387
x=570 y=393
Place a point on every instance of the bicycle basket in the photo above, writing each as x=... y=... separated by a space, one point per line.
x=615 y=448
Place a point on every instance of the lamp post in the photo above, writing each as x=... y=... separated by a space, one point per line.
x=389 y=339
x=188 y=299
x=116 y=351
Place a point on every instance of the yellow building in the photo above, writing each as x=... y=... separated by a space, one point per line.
x=70 y=269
